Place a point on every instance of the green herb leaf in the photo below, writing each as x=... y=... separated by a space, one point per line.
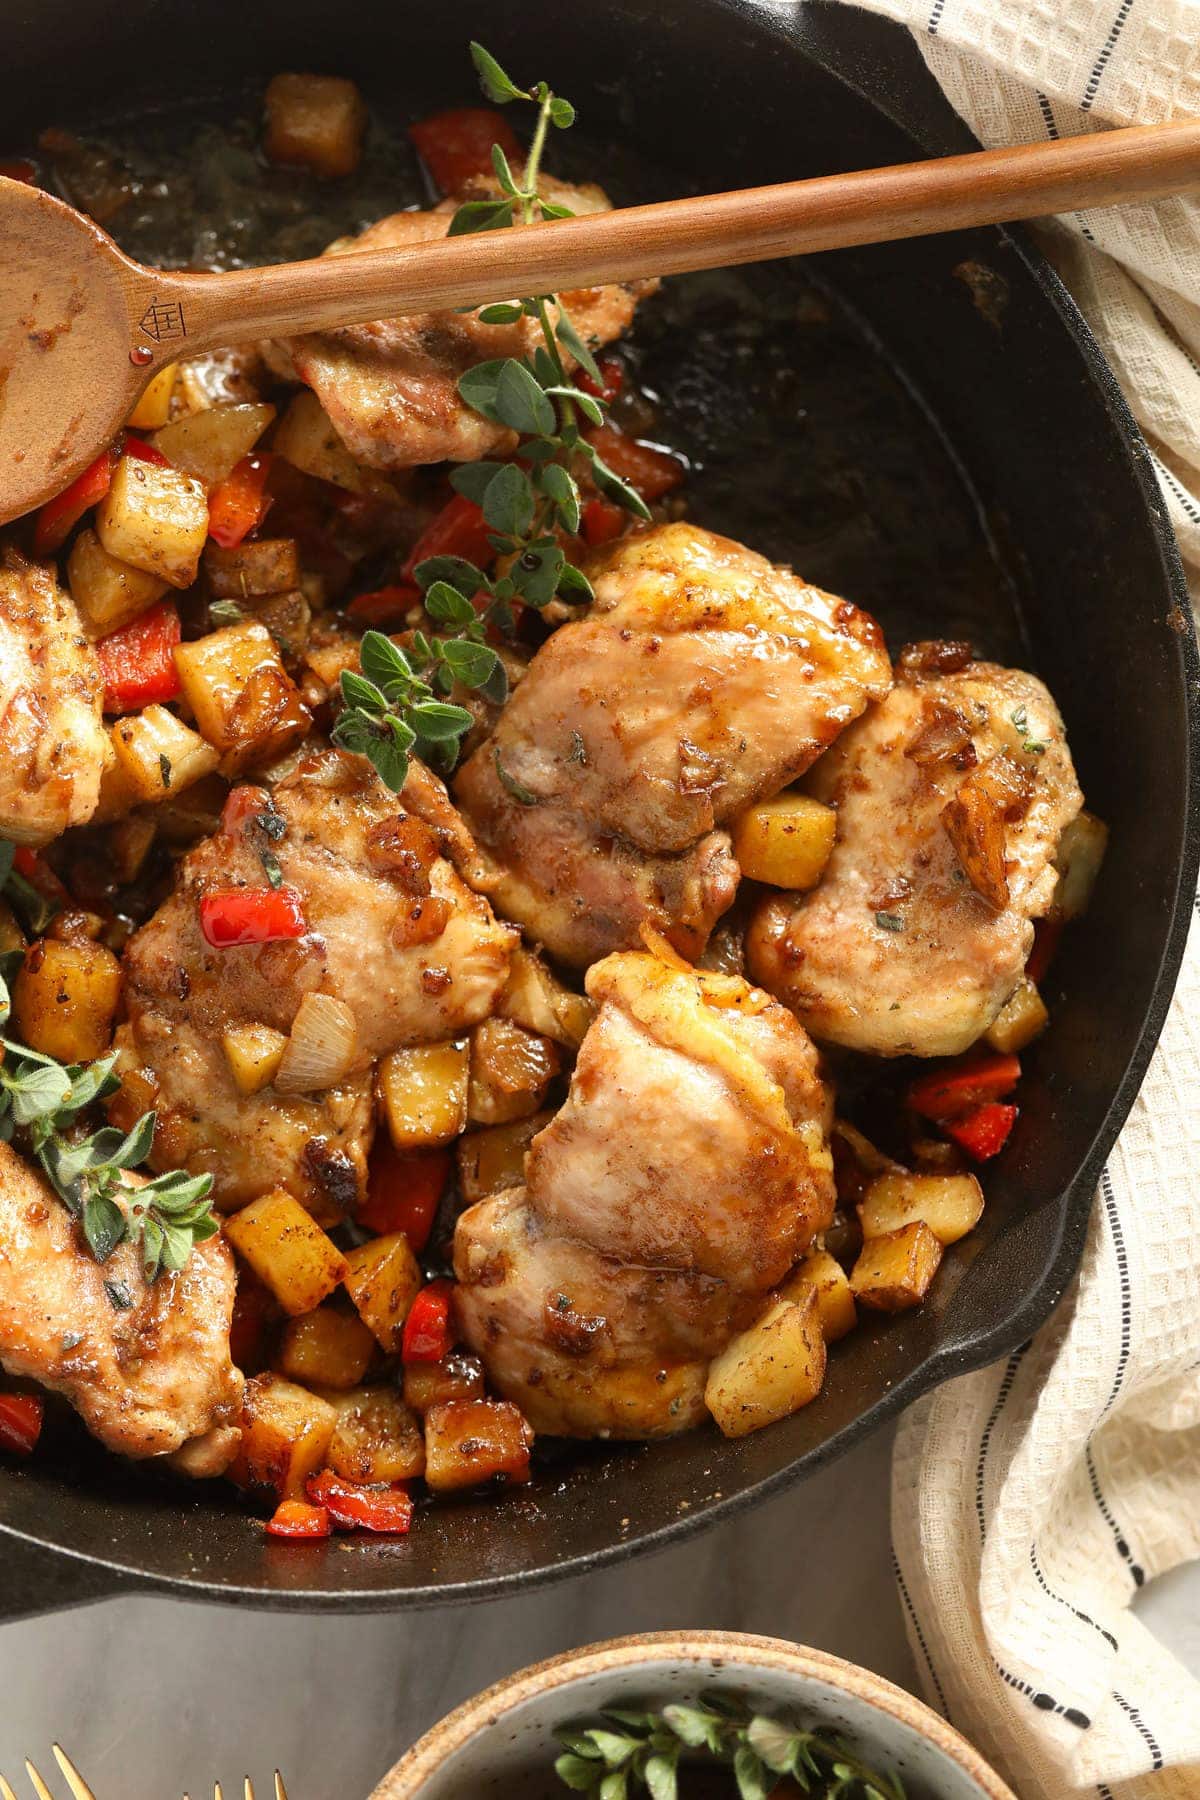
x=103 y=1226
x=504 y=174
x=537 y=573
x=471 y=481
x=576 y=1773
x=448 y=605
x=512 y=786
x=562 y=113
x=436 y=720
x=502 y=312
x=384 y=663
x=7 y=852
x=498 y=86
x=225 y=612
x=571 y=341
x=889 y=921
x=480 y=215
x=472 y=664
x=520 y=402
x=478 y=388
x=508 y=503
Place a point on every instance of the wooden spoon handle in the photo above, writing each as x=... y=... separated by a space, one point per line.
x=717 y=230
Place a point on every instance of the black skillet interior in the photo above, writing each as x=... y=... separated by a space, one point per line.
x=924 y=427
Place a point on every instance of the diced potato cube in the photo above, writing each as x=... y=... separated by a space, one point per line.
x=210 y=445
x=316 y=122
x=155 y=518
x=1022 y=1018
x=458 y=1376
x=536 y=998
x=107 y=593
x=154 y=407
x=424 y=1093
x=286 y=1432
x=785 y=841
x=493 y=1159
x=895 y=1271
x=266 y=566
x=64 y=999
x=158 y=754
x=1078 y=858
x=325 y=1348
x=951 y=1205
x=510 y=1072
x=771 y=1369
x=306 y=438
x=194 y=814
x=288 y=618
x=825 y=1275
x=287 y=1250
x=377 y=1438
x=383 y=1278
x=243 y=699
x=469 y=1441
x=253 y=1053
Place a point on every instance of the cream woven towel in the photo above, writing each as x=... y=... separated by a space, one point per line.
x=1031 y=1500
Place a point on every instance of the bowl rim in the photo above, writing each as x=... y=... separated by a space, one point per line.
x=485 y=1711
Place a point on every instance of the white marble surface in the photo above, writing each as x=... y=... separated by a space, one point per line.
x=153 y=1698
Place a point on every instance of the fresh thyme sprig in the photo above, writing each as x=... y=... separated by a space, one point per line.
x=392 y=709
x=632 y=1752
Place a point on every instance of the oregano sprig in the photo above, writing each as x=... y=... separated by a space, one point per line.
x=630 y=1753
x=396 y=707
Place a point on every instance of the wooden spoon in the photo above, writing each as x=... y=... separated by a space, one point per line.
x=83 y=328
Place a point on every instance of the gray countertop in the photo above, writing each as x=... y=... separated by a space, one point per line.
x=152 y=1698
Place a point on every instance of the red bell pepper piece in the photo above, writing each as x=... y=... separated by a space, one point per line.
x=141 y=451
x=298 y=1519
x=137 y=662
x=1046 y=933
x=386 y=605
x=457 y=144
x=353 y=1506
x=403 y=1191
x=602 y=520
x=428 y=1332
x=21 y=1418
x=984 y=1132
x=652 y=473
x=239 y=504
x=458 y=530
x=59 y=516
x=951 y=1092
x=231 y=916
x=242 y=803
x=612 y=380
x=19 y=169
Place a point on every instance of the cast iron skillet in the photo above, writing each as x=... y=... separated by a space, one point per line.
x=1047 y=476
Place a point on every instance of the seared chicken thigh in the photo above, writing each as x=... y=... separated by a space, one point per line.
x=951 y=799
x=393 y=933
x=390 y=388
x=53 y=746
x=687 y=1171
x=149 y=1371
x=701 y=679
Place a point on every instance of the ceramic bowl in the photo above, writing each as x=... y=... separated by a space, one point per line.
x=501 y=1745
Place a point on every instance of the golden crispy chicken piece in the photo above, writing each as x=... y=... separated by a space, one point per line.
x=951 y=799
x=687 y=1171
x=53 y=746
x=702 y=678
x=390 y=388
x=393 y=932
x=147 y=1368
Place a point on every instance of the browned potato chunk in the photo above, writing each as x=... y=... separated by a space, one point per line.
x=306 y=438
x=510 y=1072
x=769 y=1370
x=493 y=1159
x=244 y=701
x=315 y=122
x=156 y=519
x=1078 y=858
x=65 y=999
x=286 y=1433
x=458 y=1376
x=976 y=822
x=253 y=1053
x=537 y=999
x=209 y=445
x=825 y=1275
x=382 y=1278
x=107 y=593
x=895 y=1271
x=266 y=566
x=785 y=841
x=156 y=754
x=287 y=1250
x=469 y=1441
x=325 y=1348
x=376 y=1438
x=951 y=1205
x=423 y=1090
x=1022 y=1018
x=288 y=618
x=154 y=407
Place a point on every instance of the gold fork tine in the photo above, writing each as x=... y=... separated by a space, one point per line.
x=39 y=1786
x=78 y=1786
x=6 y=1792
x=280 y=1790
x=217 y=1794
x=248 y=1793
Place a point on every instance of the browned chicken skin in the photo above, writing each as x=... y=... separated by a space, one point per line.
x=685 y=1174
x=412 y=966
x=951 y=799
x=390 y=388
x=53 y=746
x=702 y=678
x=149 y=1378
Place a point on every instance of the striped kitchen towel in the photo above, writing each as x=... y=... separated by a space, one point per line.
x=1033 y=1499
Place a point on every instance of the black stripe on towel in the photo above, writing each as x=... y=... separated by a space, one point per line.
x=985 y=1442
x=916 y=1625
x=935 y=17
x=1119 y=1539
x=1061 y=1600
x=1140 y=1724
x=1110 y=44
x=1118 y=1238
